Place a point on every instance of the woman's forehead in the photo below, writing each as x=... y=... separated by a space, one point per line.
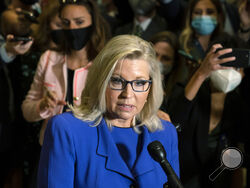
x=132 y=67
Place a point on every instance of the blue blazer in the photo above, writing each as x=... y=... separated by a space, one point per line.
x=74 y=154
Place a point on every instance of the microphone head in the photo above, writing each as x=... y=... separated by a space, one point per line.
x=157 y=151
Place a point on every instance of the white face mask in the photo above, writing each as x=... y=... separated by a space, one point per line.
x=225 y=80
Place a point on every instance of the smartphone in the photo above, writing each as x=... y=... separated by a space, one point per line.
x=24 y=39
x=187 y=56
x=242 y=58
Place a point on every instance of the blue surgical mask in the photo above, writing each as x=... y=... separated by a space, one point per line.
x=204 y=25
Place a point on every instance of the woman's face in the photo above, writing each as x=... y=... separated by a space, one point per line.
x=55 y=23
x=164 y=53
x=123 y=105
x=205 y=8
x=75 y=16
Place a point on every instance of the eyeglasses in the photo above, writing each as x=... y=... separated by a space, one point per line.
x=116 y=83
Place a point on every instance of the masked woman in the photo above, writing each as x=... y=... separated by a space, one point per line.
x=204 y=21
x=213 y=115
x=103 y=143
x=60 y=75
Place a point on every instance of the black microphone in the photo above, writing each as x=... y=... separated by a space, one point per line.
x=158 y=153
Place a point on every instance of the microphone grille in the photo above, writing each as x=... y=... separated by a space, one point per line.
x=156 y=151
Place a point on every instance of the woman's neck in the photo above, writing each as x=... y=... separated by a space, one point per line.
x=77 y=59
x=204 y=41
x=118 y=122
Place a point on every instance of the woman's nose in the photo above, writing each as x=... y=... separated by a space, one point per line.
x=72 y=26
x=128 y=91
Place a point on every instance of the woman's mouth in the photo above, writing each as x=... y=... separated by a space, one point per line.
x=126 y=107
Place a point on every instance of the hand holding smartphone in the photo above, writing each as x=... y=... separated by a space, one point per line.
x=242 y=58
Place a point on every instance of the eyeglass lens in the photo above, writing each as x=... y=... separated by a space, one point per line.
x=137 y=85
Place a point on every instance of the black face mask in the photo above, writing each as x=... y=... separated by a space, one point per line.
x=29 y=2
x=76 y=39
x=57 y=36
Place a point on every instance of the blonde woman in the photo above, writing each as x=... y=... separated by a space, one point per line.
x=103 y=142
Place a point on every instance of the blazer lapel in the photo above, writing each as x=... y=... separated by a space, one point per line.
x=60 y=72
x=108 y=149
x=144 y=162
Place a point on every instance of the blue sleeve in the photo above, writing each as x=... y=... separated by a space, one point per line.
x=171 y=146
x=175 y=152
x=56 y=166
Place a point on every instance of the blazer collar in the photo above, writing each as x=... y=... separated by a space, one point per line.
x=107 y=148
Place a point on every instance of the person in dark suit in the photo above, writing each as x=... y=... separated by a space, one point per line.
x=103 y=141
x=146 y=21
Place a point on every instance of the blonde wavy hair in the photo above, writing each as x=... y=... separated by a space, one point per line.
x=93 y=102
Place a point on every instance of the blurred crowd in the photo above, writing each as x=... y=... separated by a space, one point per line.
x=47 y=47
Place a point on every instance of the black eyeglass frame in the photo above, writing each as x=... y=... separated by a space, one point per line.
x=126 y=82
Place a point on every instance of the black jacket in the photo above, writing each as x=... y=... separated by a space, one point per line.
x=194 y=117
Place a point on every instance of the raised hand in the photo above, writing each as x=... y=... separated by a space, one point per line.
x=50 y=101
x=212 y=61
x=14 y=48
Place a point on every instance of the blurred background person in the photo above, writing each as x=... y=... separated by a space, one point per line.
x=11 y=26
x=11 y=131
x=244 y=23
x=173 y=11
x=244 y=33
x=166 y=45
x=111 y=14
x=32 y=6
x=24 y=57
x=46 y=34
x=204 y=21
x=117 y=118
x=146 y=21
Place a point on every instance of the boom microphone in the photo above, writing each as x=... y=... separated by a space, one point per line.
x=158 y=153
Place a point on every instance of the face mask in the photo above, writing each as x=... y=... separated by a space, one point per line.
x=165 y=68
x=57 y=36
x=29 y=2
x=77 y=38
x=225 y=80
x=204 y=25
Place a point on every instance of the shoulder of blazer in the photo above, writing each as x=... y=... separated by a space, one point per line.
x=51 y=57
